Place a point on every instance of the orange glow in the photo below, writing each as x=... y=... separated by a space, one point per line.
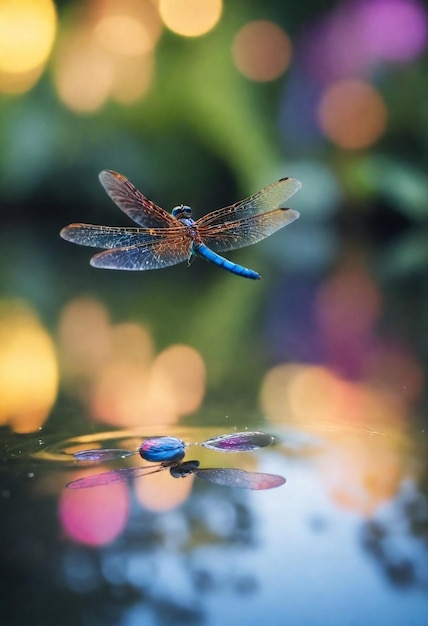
x=118 y=396
x=132 y=79
x=261 y=50
x=27 y=33
x=109 y=55
x=127 y=27
x=177 y=382
x=20 y=82
x=162 y=492
x=352 y=114
x=28 y=369
x=362 y=474
x=190 y=18
x=123 y=34
x=94 y=516
x=83 y=75
x=315 y=396
x=84 y=342
x=112 y=368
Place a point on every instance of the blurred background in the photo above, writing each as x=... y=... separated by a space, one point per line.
x=204 y=103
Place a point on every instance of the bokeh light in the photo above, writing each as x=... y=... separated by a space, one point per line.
x=113 y=370
x=357 y=36
x=94 y=516
x=108 y=54
x=395 y=30
x=28 y=369
x=83 y=74
x=127 y=27
x=348 y=306
x=362 y=474
x=190 y=18
x=261 y=50
x=27 y=33
x=352 y=114
x=314 y=396
x=84 y=343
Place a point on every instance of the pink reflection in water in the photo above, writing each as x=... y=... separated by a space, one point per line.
x=94 y=516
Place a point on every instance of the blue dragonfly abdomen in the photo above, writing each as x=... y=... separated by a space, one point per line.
x=200 y=249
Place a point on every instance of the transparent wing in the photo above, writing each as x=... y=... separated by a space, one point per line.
x=246 y=231
x=108 y=237
x=151 y=256
x=114 y=476
x=132 y=202
x=238 y=442
x=240 y=478
x=101 y=455
x=271 y=197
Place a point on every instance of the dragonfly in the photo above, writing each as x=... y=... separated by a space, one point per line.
x=169 y=453
x=163 y=239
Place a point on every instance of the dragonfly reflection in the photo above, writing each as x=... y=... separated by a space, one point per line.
x=163 y=239
x=169 y=452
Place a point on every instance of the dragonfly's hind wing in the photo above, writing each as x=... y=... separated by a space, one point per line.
x=151 y=256
x=114 y=476
x=240 y=478
x=271 y=197
x=246 y=231
x=132 y=202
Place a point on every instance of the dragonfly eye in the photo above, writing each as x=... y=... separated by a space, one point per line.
x=181 y=211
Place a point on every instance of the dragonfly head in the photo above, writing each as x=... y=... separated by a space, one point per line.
x=182 y=211
x=183 y=469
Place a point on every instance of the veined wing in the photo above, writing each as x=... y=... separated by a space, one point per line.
x=237 y=442
x=114 y=476
x=240 y=478
x=150 y=256
x=132 y=202
x=118 y=237
x=100 y=455
x=246 y=231
x=271 y=197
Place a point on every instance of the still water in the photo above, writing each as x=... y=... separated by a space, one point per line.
x=342 y=542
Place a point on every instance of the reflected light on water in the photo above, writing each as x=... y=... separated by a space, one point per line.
x=314 y=396
x=352 y=114
x=28 y=369
x=362 y=453
x=261 y=50
x=363 y=474
x=161 y=492
x=27 y=33
x=94 y=516
x=190 y=18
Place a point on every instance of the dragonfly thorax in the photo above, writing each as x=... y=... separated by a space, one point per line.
x=182 y=212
